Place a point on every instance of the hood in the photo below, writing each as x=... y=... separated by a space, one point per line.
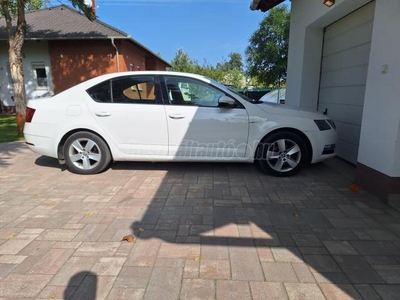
x=293 y=111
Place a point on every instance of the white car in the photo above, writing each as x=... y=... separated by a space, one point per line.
x=170 y=116
x=275 y=96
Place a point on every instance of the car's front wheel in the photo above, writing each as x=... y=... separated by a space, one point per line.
x=282 y=154
x=86 y=153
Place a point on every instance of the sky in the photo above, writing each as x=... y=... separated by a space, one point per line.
x=208 y=30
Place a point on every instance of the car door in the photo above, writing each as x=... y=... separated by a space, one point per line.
x=197 y=125
x=131 y=112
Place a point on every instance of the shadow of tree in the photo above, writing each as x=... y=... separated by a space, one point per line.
x=82 y=286
x=8 y=152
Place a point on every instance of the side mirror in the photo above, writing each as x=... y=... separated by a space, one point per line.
x=226 y=101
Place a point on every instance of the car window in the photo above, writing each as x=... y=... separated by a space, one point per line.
x=185 y=91
x=128 y=89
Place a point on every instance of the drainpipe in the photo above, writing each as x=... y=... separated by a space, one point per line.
x=116 y=52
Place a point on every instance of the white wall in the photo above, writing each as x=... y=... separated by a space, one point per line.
x=308 y=20
x=380 y=131
x=32 y=52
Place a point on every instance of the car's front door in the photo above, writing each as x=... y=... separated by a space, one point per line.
x=198 y=126
x=130 y=110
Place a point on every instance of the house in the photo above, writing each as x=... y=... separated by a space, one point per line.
x=63 y=48
x=343 y=60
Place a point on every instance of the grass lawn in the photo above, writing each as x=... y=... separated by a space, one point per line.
x=8 y=129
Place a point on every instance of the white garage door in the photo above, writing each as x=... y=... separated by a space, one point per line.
x=344 y=69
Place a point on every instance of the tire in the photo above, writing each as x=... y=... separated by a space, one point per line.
x=86 y=153
x=282 y=154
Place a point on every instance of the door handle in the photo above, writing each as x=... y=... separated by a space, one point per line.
x=176 y=116
x=103 y=114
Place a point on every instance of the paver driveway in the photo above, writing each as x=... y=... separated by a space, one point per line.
x=203 y=231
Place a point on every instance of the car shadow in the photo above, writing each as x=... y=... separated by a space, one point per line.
x=233 y=206
x=49 y=162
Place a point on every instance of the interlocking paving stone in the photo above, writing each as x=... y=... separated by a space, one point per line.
x=390 y=273
x=339 y=292
x=288 y=254
x=51 y=262
x=303 y=291
x=367 y=292
x=125 y=294
x=306 y=240
x=164 y=284
x=133 y=277
x=233 y=290
x=15 y=285
x=197 y=289
x=340 y=248
x=215 y=269
x=76 y=268
x=229 y=218
x=375 y=248
x=268 y=291
x=321 y=263
x=388 y=292
x=303 y=272
x=358 y=270
x=94 y=287
x=279 y=272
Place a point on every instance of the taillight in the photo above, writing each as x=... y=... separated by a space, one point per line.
x=29 y=114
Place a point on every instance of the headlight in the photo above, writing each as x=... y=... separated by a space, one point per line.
x=323 y=125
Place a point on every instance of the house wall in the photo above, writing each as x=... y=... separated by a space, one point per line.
x=378 y=166
x=76 y=61
x=132 y=57
x=34 y=52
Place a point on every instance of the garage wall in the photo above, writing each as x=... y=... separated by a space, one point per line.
x=380 y=132
x=308 y=20
x=346 y=52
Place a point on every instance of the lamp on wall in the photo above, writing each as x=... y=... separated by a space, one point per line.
x=329 y=3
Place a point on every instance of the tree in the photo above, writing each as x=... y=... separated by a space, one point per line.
x=182 y=62
x=234 y=62
x=14 y=13
x=268 y=49
x=227 y=72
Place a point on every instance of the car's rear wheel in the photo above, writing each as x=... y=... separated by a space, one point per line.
x=86 y=153
x=282 y=154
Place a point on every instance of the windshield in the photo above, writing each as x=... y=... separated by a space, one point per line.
x=242 y=96
x=218 y=84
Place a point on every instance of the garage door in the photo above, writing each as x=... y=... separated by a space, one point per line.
x=347 y=44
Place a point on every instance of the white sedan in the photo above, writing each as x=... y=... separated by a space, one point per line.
x=170 y=116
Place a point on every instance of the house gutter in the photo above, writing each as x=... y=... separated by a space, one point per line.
x=116 y=53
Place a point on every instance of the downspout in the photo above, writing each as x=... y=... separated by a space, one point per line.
x=116 y=53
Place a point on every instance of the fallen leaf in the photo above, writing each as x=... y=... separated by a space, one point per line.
x=196 y=258
x=129 y=238
x=37 y=195
x=141 y=229
x=53 y=296
x=11 y=237
x=354 y=187
x=90 y=215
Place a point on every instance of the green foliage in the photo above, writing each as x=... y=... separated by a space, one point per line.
x=29 y=6
x=229 y=73
x=268 y=49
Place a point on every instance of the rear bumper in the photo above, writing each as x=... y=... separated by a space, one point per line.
x=41 y=145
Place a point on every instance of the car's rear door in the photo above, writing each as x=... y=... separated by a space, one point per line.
x=197 y=125
x=131 y=112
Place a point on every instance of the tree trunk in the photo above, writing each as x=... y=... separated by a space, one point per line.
x=17 y=75
x=16 y=38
